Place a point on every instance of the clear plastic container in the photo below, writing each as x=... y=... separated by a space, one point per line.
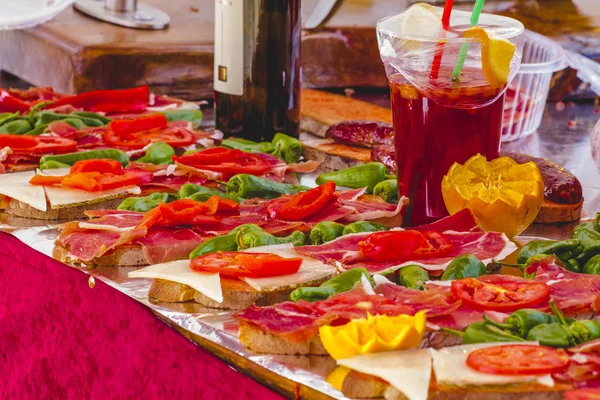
x=527 y=93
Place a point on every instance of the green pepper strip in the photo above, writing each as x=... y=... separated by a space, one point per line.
x=592 y=266
x=194 y=116
x=72 y=158
x=413 y=276
x=325 y=231
x=585 y=330
x=482 y=332
x=360 y=176
x=522 y=321
x=287 y=148
x=248 y=145
x=465 y=266
x=589 y=236
x=158 y=153
x=201 y=193
x=247 y=186
x=144 y=203
x=253 y=236
x=341 y=283
x=387 y=190
x=16 y=127
x=537 y=247
x=364 y=226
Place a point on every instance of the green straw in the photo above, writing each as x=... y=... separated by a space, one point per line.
x=464 y=49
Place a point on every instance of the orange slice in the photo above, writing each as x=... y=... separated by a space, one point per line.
x=496 y=55
x=502 y=195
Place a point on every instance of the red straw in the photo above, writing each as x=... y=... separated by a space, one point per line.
x=439 y=47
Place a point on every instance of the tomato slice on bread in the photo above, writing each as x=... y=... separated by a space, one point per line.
x=518 y=360
x=251 y=265
x=500 y=292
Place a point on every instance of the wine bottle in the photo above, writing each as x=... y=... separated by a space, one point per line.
x=257 y=68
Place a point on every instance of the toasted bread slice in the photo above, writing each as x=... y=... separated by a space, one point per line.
x=124 y=256
x=357 y=385
x=264 y=342
x=332 y=155
x=237 y=294
x=24 y=210
x=319 y=110
x=551 y=212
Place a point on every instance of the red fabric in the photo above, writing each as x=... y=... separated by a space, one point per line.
x=61 y=339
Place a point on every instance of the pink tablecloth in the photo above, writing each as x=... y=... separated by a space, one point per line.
x=61 y=339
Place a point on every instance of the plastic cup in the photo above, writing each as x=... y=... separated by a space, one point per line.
x=438 y=120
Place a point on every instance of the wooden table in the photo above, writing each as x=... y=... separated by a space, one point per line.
x=76 y=53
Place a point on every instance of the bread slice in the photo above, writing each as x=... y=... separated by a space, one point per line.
x=124 y=256
x=319 y=110
x=237 y=294
x=357 y=385
x=551 y=212
x=332 y=155
x=24 y=210
x=260 y=341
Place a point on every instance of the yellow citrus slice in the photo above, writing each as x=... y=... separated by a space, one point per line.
x=420 y=19
x=502 y=195
x=496 y=55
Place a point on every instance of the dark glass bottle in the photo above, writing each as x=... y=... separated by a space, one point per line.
x=257 y=67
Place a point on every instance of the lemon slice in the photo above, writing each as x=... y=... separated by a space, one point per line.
x=496 y=55
x=502 y=195
x=420 y=19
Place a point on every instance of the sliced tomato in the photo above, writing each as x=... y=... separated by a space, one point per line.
x=500 y=292
x=255 y=265
x=305 y=204
x=518 y=360
x=127 y=178
x=22 y=144
x=226 y=161
x=176 y=137
x=405 y=246
x=53 y=144
x=583 y=394
x=132 y=142
x=102 y=165
x=124 y=127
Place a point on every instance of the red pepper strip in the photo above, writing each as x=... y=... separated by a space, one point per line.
x=304 y=204
x=11 y=104
x=46 y=180
x=226 y=161
x=109 y=101
x=405 y=246
x=102 y=165
x=124 y=127
x=128 y=178
x=87 y=181
x=23 y=144
x=188 y=212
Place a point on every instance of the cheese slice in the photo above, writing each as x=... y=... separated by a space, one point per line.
x=61 y=197
x=311 y=270
x=450 y=366
x=104 y=227
x=54 y=171
x=188 y=105
x=209 y=284
x=17 y=186
x=409 y=371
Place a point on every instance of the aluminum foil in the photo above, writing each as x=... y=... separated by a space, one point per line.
x=214 y=330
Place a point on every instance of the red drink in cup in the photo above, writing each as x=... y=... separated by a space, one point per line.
x=440 y=119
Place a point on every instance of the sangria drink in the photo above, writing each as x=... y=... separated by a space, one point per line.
x=441 y=116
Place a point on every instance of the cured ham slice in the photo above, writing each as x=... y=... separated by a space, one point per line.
x=298 y=322
x=571 y=291
x=484 y=245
